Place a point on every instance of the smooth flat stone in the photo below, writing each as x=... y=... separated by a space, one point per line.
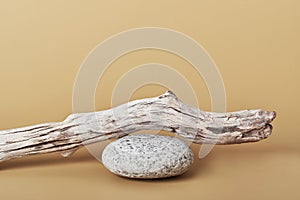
x=147 y=156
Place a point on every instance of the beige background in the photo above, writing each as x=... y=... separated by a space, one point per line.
x=255 y=44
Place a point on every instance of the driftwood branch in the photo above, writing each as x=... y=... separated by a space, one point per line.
x=165 y=112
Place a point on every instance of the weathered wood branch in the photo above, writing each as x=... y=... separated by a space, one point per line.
x=165 y=112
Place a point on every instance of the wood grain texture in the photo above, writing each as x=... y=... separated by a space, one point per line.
x=165 y=112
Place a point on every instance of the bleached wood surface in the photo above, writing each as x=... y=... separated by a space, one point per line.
x=165 y=112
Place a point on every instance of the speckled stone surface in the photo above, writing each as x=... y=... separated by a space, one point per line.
x=147 y=156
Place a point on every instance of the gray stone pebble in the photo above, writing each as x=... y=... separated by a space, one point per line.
x=147 y=156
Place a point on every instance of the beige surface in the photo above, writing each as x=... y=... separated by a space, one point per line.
x=255 y=44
